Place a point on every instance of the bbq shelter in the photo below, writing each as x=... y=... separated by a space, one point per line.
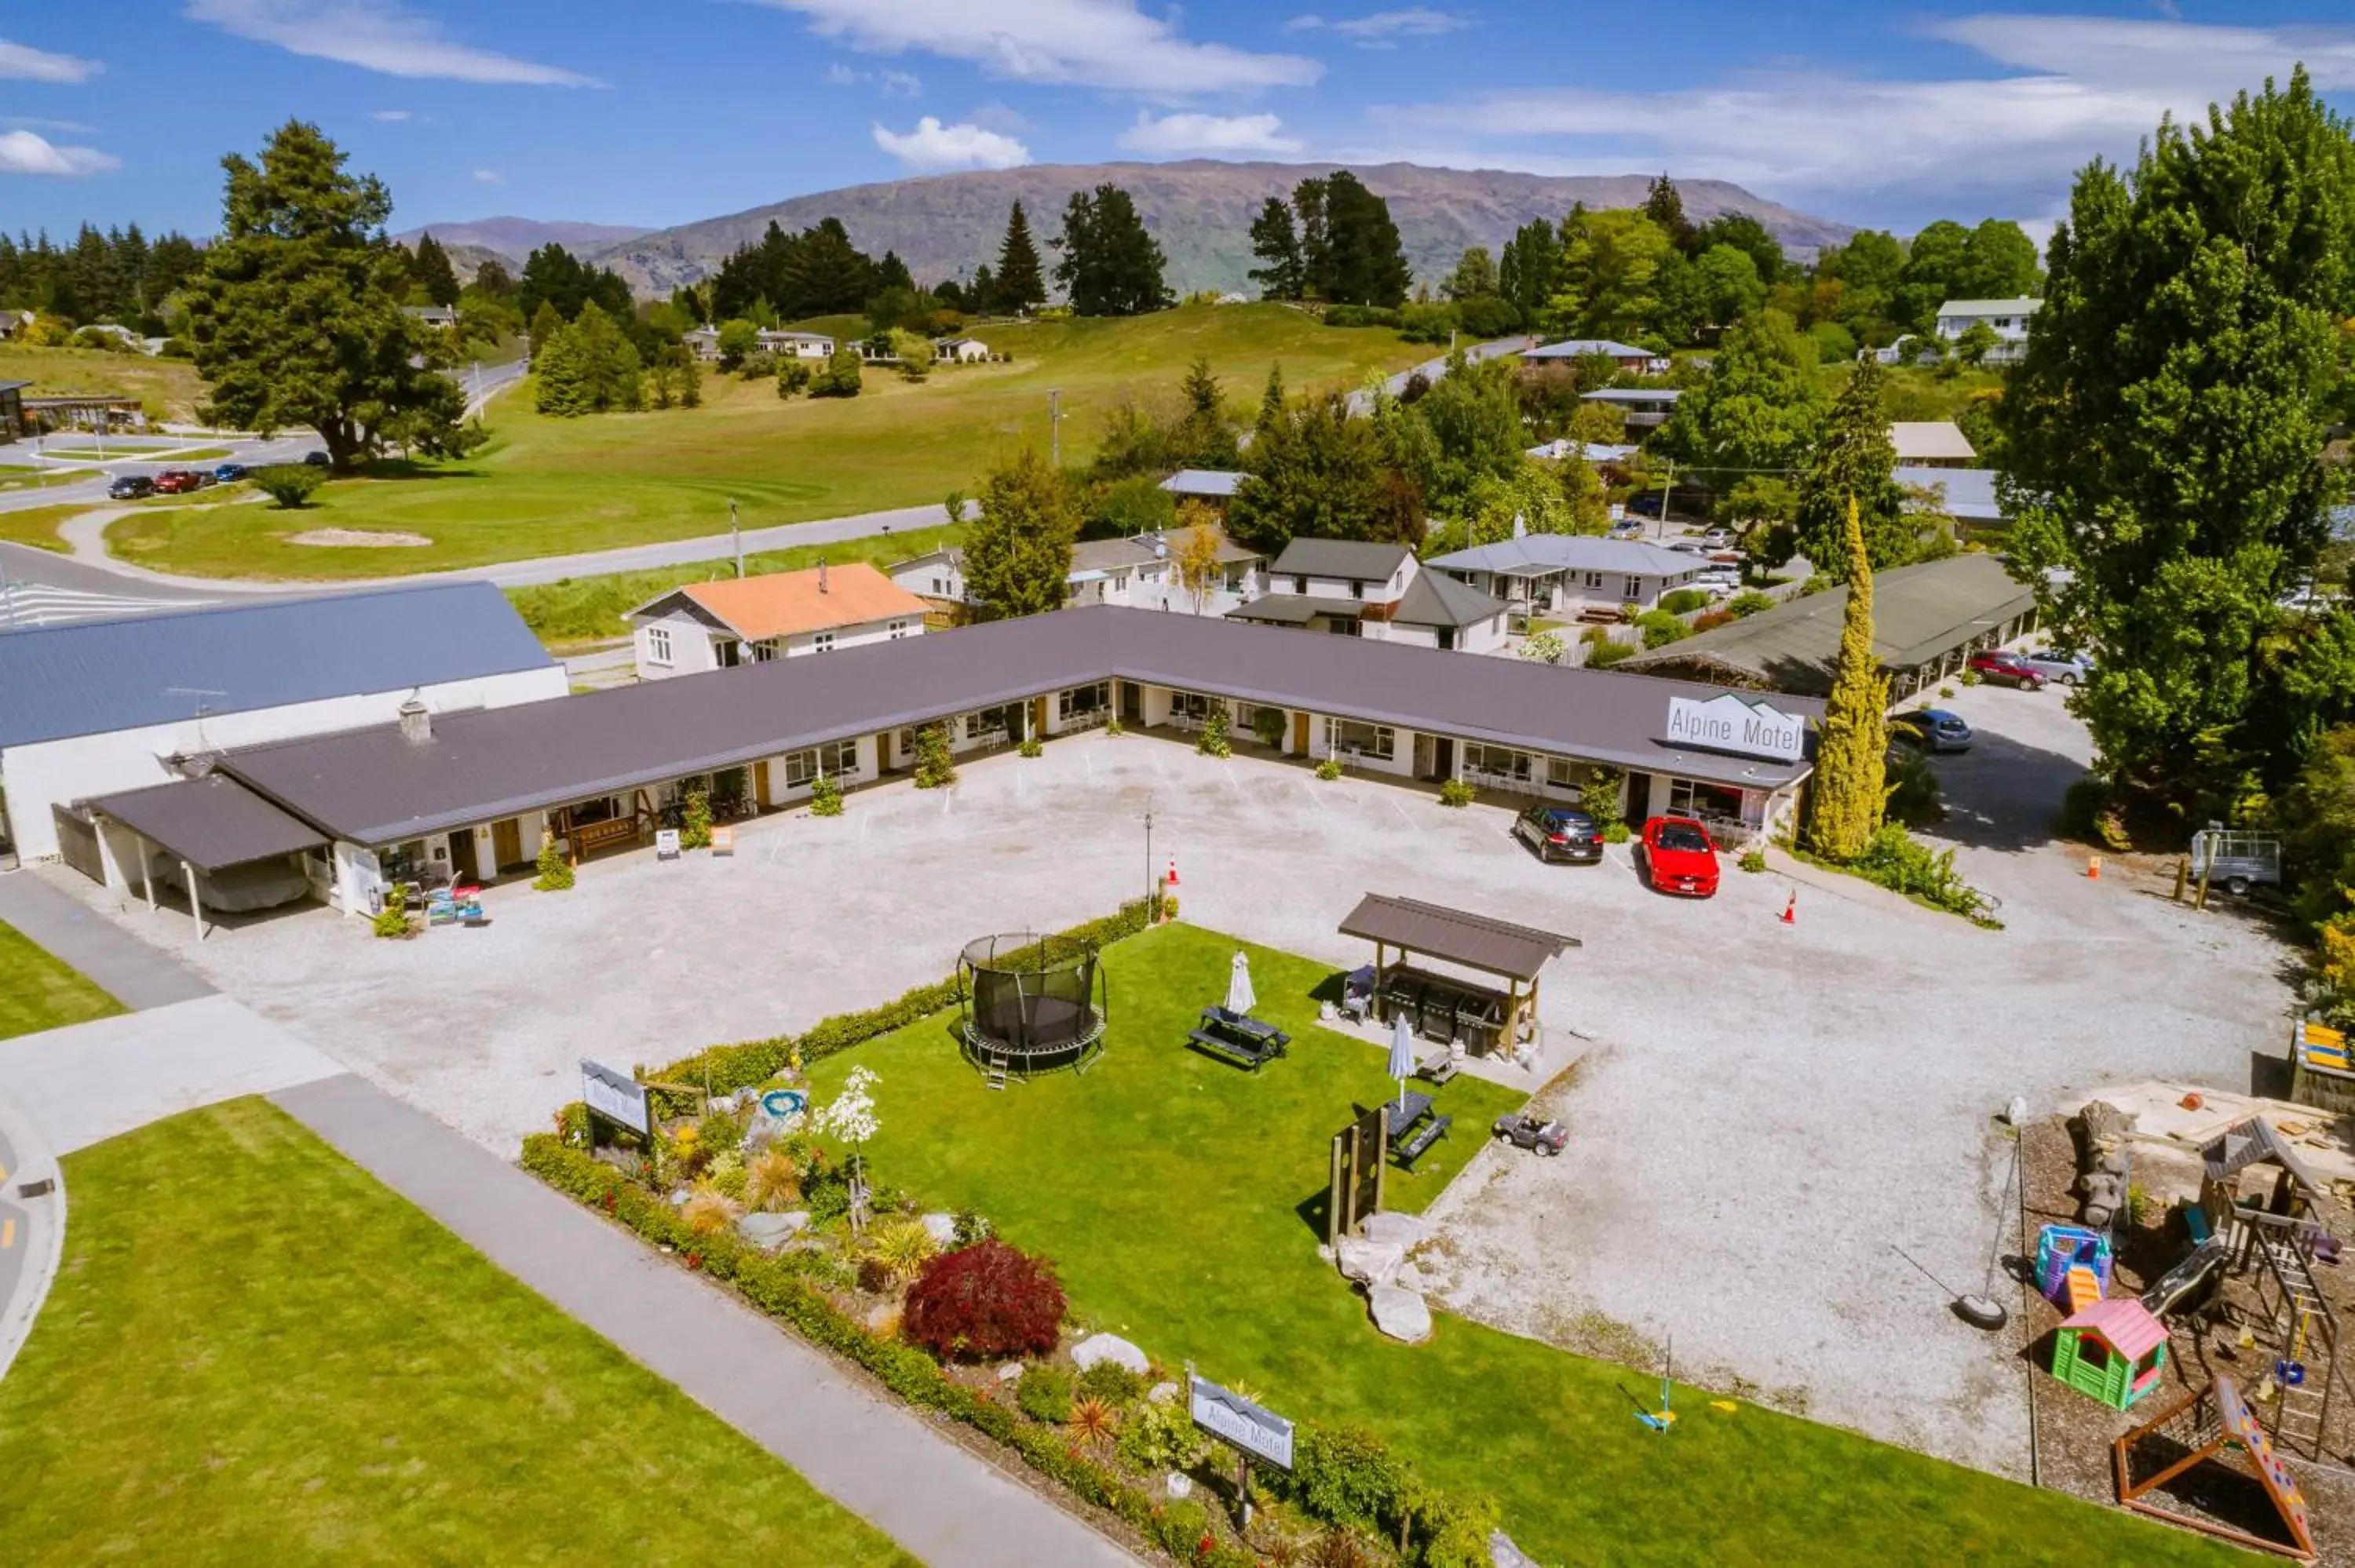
x=223 y=845
x=1484 y=1018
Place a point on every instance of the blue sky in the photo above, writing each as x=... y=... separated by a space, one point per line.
x=624 y=112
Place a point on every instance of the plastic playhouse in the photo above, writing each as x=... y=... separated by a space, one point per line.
x=2111 y=1350
x=2073 y=1266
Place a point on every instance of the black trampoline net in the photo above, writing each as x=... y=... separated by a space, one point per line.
x=1032 y=996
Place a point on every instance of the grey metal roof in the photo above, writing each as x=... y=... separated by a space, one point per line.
x=1573 y=348
x=210 y=822
x=1202 y=481
x=1969 y=491
x=1363 y=560
x=1570 y=552
x=1110 y=555
x=1295 y=609
x=1633 y=395
x=2022 y=306
x=1456 y=936
x=1435 y=598
x=371 y=787
x=95 y=677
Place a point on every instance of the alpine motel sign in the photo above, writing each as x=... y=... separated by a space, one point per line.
x=1727 y=723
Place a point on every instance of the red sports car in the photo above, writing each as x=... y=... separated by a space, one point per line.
x=2007 y=669
x=1679 y=857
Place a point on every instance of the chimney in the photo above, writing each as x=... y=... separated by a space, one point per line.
x=416 y=722
x=821 y=577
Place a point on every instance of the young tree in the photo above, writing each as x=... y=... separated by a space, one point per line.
x=1017 y=552
x=1847 y=482
x=1019 y=285
x=1844 y=802
x=296 y=317
x=1202 y=438
x=1194 y=552
x=738 y=339
x=1276 y=241
x=289 y=484
x=610 y=364
x=1978 y=341
x=1109 y=265
x=1474 y=277
x=915 y=353
x=2163 y=432
x=546 y=322
x=1525 y=275
x=841 y=376
x=432 y=268
x=560 y=382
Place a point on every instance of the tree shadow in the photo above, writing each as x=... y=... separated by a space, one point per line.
x=410 y=468
x=2003 y=794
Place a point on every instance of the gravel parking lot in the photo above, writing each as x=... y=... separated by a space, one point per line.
x=1761 y=1113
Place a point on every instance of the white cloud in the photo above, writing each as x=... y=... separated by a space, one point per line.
x=902 y=84
x=22 y=62
x=2081 y=87
x=932 y=146
x=1174 y=136
x=1105 y=44
x=840 y=75
x=35 y=123
x=1384 y=29
x=24 y=152
x=390 y=116
x=489 y=177
x=374 y=35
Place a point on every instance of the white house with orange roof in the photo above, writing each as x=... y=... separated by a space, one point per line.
x=777 y=615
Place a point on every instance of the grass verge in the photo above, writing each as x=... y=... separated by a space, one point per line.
x=38 y=525
x=40 y=992
x=255 y=1352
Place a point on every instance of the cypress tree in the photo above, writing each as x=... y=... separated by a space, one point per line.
x=1849 y=480
x=1020 y=284
x=1845 y=804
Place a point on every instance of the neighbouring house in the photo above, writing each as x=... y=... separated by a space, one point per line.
x=1932 y=444
x=1129 y=571
x=432 y=315
x=1625 y=355
x=1928 y=618
x=1212 y=486
x=1137 y=573
x=13 y=424
x=703 y=342
x=99 y=707
x=13 y=321
x=1965 y=494
x=1357 y=587
x=1561 y=447
x=936 y=576
x=1541 y=575
x=720 y=624
x=959 y=350
x=1646 y=408
x=2007 y=318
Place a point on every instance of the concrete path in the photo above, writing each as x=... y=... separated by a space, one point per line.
x=132 y=971
x=32 y=1225
x=936 y=1498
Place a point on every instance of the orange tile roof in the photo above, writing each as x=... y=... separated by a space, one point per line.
x=784 y=604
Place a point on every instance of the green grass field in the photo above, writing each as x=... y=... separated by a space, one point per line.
x=254 y=1352
x=40 y=992
x=168 y=386
x=589 y=610
x=1173 y=1194
x=38 y=525
x=547 y=486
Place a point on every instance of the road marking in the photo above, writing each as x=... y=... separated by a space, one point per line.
x=1410 y=822
x=7 y=1235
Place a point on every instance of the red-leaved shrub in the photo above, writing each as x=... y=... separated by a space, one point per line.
x=1713 y=619
x=984 y=1302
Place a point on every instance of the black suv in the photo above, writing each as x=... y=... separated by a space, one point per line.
x=1558 y=832
x=131 y=487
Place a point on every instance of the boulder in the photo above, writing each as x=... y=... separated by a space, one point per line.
x=1162 y=1393
x=943 y=1228
x=1180 y=1484
x=1505 y=1554
x=769 y=1231
x=1410 y=1277
x=1399 y=1313
x=1109 y=1348
x=1010 y=1372
x=1401 y=1231
x=1368 y=1262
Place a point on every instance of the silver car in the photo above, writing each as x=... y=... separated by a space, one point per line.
x=2068 y=669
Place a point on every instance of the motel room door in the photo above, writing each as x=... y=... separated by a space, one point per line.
x=761 y=784
x=506 y=842
x=463 y=867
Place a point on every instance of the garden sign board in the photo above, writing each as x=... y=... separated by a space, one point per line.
x=1228 y=1415
x=616 y=1096
x=665 y=843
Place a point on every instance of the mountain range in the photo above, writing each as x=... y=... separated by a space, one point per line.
x=943 y=225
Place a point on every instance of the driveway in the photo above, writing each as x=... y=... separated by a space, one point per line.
x=1762 y=1113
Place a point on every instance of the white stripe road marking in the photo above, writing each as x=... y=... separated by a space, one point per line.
x=41 y=604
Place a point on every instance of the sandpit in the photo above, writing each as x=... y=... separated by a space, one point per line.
x=359 y=539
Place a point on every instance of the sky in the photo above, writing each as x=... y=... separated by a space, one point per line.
x=607 y=112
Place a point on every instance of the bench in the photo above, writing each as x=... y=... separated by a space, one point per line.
x=1439 y=1068
x=1419 y=1140
x=1242 y=1053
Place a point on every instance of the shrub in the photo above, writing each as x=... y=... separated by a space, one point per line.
x=1329 y=769
x=727 y=1175
x=773 y=1179
x=1660 y=628
x=1749 y=602
x=1162 y=1437
x=1361 y=316
x=1970 y=677
x=1112 y=1383
x=1897 y=861
x=987 y=1301
x=1348 y=1475
x=1914 y=797
x=1214 y=741
x=1267 y=724
x=935 y=764
x=1031 y=746
x=1754 y=859
x=1044 y=1393
x=289 y=484
x=1432 y=322
x=695 y=820
x=1113 y=726
x=1092 y=1421
x=840 y=378
x=2089 y=816
x=903 y=1247
x=825 y=797
x=1457 y=793
x=1544 y=648
x=1603 y=655
x=393 y=920
x=793 y=378
x=707 y=1211
x=555 y=871
x=1599 y=793
x=973 y=1226
x=1684 y=602
x=1615 y=833
x=1711 y=620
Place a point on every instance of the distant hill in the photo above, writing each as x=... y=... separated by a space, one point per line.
x=514 y=238
x=1200 y=210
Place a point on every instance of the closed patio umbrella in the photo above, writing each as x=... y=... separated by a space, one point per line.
x=1401 y=1054
x=1240 y=998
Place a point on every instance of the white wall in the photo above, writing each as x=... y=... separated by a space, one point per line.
x=852 y=636
x=57 y=772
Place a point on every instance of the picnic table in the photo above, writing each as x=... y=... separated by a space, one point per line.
x=1249 y=1043
x=1412 y=1127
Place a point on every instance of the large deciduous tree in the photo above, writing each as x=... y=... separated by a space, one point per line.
x=1757 y=408
x=1109 y=265
x=296 y=317
x=1845 y=801
x=1848 y=482
x=1017 y=552
x=2164 y=433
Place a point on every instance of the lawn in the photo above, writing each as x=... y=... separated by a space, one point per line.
x=38 y=525
x=1173 y=1193
x=546 y=486
x=253 y=1352
x=40 y=993
x=169 y=387
x=589 y=610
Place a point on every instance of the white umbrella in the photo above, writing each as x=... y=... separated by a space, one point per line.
x=1401 y=1053
x=1521 y=526
x=1240 y=998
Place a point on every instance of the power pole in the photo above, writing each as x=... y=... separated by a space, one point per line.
x=1668 y=481
x=736 y=535
x=1055 y=423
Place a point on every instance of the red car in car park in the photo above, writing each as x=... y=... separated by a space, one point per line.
x=176 y=481
x=2007 y=669
x=1680 y=857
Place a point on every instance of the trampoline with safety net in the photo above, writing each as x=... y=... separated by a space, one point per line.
x=1031 y=1004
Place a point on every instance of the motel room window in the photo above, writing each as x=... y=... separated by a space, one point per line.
x=1687 y=798
x=1080 y=702
x=834 y=759
x=1564 y=774
x=658 y=646
x=1497 y=762
x=1356 y=589
x=1300 y=584
x=1191 y=705
x=1375 y=740
x=823 y=643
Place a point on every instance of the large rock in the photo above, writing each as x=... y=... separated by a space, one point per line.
x=1368 y=1262
x=1505 y=1554
x=1401 y=1314
x=1410 y=1277
x=1390 y=1229
x=769 y=1231
x=1162 y=1393
x=1109 y=1348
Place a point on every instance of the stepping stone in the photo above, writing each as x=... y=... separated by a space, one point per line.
x=1505 y=1554
x=1392 y=1229
x=1399 y=1313
x=1368 y=1262
x=1109 y=1348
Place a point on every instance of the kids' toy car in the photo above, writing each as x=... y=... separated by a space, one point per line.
x=1547 y=1137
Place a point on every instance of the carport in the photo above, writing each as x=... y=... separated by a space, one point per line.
x=1442 y=1006
x=223 y=836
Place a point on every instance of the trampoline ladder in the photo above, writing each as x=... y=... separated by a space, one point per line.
x=995 y=1075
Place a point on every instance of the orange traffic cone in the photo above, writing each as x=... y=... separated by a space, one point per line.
x=1171 y=880
x=2093 y=868
x=1790 y=916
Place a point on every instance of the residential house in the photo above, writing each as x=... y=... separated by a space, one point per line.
x=703 y=342
x=1932 y=444
x=959 y=350
x=776 y=615
x=1965 y=494
x=1357 y=588
x=1543 y=575
x=1646 y=408
x=14 y=423
x=1561 y=447
x=1212 y=486
x=1131 y=571
x=432 y=315
x=13 y=321
x=2010 y=319
x=1625 y=355
x=936 y=576
x=1137 y=573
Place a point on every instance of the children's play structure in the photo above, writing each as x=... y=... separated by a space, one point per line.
x=2073 y=1266
x=2259 y=1199
x=2111 y=1350
x=2210 y=1427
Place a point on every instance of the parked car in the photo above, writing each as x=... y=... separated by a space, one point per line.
x=1645 y=505
x=2053 y=665
x=1689 y=546
x=1558 y=832
x=1680 y=857
x=230 y=472
x=1627 y=528
x=316 y=459
x=2006 y=670
x=1547 y=1138
x=175 y=481
x=131 y=487
x=1932 y=729
x=1718 y=538
x=1719 y=577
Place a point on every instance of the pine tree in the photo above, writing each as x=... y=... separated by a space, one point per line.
x=1202 y=438
x=430 y=267
x=560 y=372
x=1271 y=402
x=546 y=322
x=1110 y=264
x=1275 y=240
x=1363 y=262
x=1849 y=477
x=1020 y=284
x=1845 y=800
x=1665 y=205
x=1017 y=552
